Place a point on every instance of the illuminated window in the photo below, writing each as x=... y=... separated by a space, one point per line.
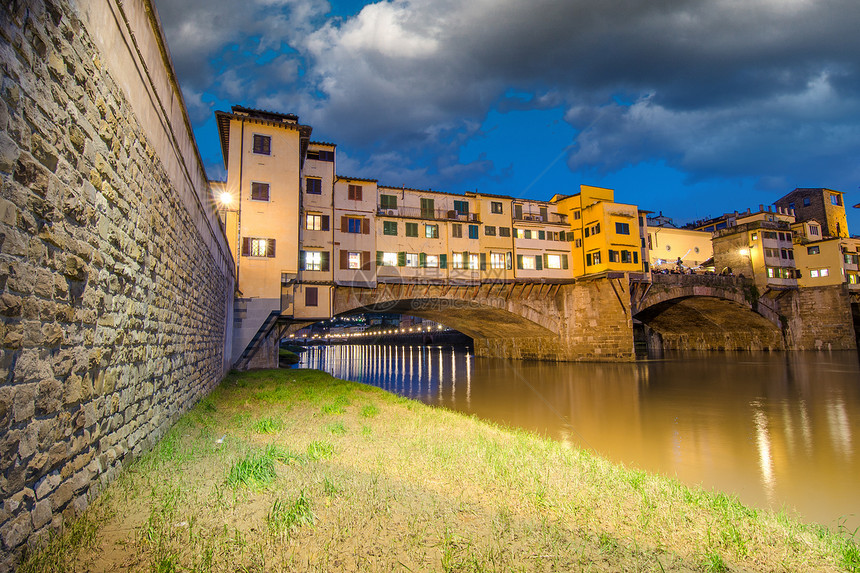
x=253 y=247
x=389 y=259
x=497 y=260
x=431 y=261
x=316 y=222
x=529 y=263
x=353 y=260
x=412 y=260
x=431 y=231
x=457 y=261
x=313 y=261
x=553 y=261
x=474 y=261
x=813 y=250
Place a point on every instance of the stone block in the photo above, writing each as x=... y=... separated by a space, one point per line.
x=41 y=514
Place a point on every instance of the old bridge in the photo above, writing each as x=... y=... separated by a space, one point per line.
x=599 y=319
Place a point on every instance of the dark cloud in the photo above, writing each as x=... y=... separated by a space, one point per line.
x=715 y=88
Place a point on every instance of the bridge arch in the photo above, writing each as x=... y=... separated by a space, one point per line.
x=707 y=313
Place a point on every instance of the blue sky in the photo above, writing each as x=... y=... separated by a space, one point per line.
x=689 y=107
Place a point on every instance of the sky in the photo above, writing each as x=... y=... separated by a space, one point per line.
x=689 y=107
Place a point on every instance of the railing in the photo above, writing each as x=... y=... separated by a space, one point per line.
x=537 y=217
x=432 y=214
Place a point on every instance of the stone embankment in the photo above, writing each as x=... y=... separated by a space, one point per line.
x=115 y=280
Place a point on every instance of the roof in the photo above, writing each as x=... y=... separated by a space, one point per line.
x=288 y=121
x=346 y=178
x=326 y=143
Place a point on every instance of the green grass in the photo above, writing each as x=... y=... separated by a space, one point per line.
x=407 y=487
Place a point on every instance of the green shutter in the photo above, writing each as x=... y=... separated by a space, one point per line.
x=539 y=262
x=564 y=261
x=519 y=261
x=302 y=260
x=542 y=235
x=378 y=258
x=443 y=261
x=466 y=260
x=422 y=260
x=401 y=259
x=483 y=257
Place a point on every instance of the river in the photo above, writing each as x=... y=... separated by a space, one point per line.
x=776 y=429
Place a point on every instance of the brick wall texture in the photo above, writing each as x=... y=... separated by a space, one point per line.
x=112 y=308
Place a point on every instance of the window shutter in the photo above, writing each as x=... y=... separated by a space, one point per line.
x=443 y=261
x=519 y=262
x=483 y=261
x=564 y=261
x=401 y=259
x=324 y=261
x=365 y=260
x=542 y=235
x=303 y=261
x=466 y=259
x=311 y=298
x=539 y=262
x=422 y=260
x=509 y=263
x=635 y=257
x=325 y=222
x=365 y=226
x=246 y=246
x=344 y=259
x=344 y=225
x=270 y=247
x=378 y=258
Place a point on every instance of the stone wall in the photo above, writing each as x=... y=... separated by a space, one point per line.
x=115 y=281
x=818 y=318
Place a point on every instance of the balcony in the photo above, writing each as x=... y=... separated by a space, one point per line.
x=427 y=214
x=552 y=218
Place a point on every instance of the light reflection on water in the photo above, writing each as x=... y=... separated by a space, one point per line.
x=776 y=429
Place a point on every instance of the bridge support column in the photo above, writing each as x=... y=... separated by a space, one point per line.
x=595 y=325
x=818 y=318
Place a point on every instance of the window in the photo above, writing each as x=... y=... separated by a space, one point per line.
x=504 y=231
x=389 y=228
x=428 y=208
x=457 y=261
x=262 y=144
x=813 y=230
x=825 y=272
x=489 y=230
x=473 y=231
x=813 y=250
x=592 y=259
x=353 y=260
x=412 y=260
x=788 y=254
x=253 y=247
x=542 y=235
x=474 y=261
x=529 y=263
x=311 y=296
x=755 y=236
x=431 y=261
x=313 y=186
x=806 y=201
x=388 y=201
x=388 y=259
x=553 y=261
x=578 y=243
x=456 y=230
x=316 y=261
x=462 y=207
x=495 y=206
x=625 y=257
x=834 y=199
x=313 y=155
x=497 y=260
x=353 y=225
x=327 y=156
x=259 y=191
x=622 y=228
x=576 y=215
x=316 y=222
x=431 y=231
x=354 y=192
x=595 y=229
x=587 y=232
x=411 y=229
x=613 y=256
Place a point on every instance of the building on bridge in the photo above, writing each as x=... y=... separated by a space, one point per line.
x=299 y=230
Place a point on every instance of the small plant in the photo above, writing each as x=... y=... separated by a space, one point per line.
x=268 y=426
x=369 y=411
x=320 y=450
x=336 y=428
x=338 y=406
x=715 y=563
x=256 y=469
x=283 y=517
x=330 y=487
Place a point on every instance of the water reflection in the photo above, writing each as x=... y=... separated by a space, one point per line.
x=776 y=429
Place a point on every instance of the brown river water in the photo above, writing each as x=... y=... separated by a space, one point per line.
x=776 y=429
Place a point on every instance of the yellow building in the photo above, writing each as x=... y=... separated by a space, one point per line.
x=825 y=261
x=826 y=206
x=605 y=235
x=668 y=245
x=760 y=249
x=541 y=249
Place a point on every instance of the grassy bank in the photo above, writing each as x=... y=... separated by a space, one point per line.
x=293 y=470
